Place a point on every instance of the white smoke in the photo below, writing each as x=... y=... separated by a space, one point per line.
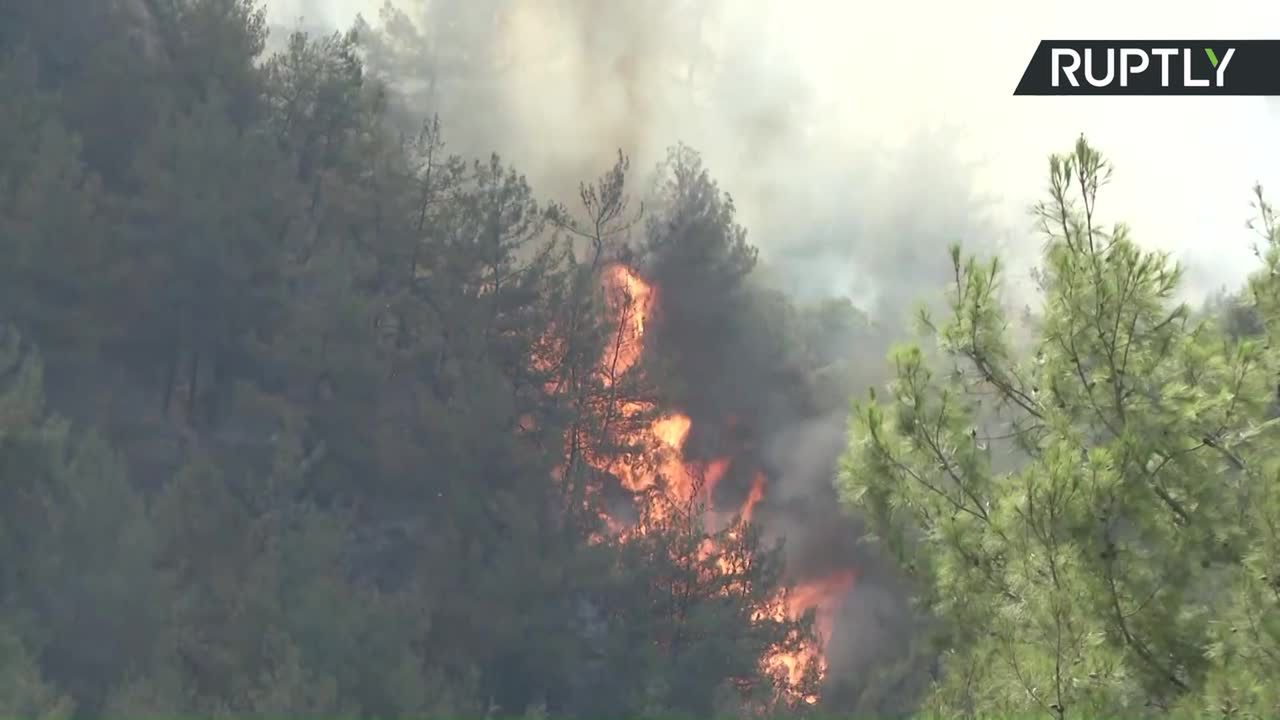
x=804 y=109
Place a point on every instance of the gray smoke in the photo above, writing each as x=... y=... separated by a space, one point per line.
x=558 y=86
x=806 y=109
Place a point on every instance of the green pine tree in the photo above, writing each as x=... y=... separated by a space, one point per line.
x=1073 y=511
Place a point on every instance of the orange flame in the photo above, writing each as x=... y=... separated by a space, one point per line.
x=753 y=498
x=631 y=300
x=823 y=596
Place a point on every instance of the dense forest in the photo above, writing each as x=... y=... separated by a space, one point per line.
x=304 y=413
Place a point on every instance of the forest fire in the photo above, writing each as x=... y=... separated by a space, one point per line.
x=662 y=481
x=631 y=300
x=823 y=597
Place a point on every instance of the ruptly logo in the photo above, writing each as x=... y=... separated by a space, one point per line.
x=1164 y=67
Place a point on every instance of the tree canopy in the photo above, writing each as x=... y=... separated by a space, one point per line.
x=304 y=413
x=1090 y=511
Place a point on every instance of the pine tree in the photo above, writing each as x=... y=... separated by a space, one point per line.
x=1072 y=512
x=51 y=238
x=77 y=546
x=1245 y=639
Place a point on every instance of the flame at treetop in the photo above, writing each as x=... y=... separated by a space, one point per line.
x=660 y=478
x=631 y=300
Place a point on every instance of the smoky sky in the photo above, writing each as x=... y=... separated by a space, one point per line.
x=859 y=141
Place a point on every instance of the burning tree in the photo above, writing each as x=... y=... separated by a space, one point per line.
x=696 y=581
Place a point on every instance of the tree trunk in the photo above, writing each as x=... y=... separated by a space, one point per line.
x=192 y=388
x=171 y=377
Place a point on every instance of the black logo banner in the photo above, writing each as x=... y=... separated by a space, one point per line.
x=1153 y=67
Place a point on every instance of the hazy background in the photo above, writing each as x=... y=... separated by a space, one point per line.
x=860 y=138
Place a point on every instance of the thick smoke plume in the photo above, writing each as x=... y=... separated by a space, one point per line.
x=557 y=87
x=804 y=110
